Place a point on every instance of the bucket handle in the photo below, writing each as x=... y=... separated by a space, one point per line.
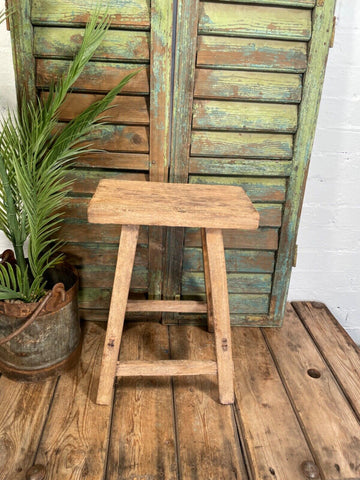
x=52 y=293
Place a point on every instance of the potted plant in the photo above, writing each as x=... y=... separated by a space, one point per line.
x=39 y=326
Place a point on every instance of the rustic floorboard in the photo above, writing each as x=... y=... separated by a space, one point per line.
x=162 y=429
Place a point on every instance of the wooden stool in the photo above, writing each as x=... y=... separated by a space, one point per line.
x=212 y=208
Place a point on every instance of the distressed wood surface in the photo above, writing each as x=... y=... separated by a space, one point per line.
x=166 y=368
x=323 y=411
x=254 y=21
x=275 y=444
x=340 y=351
x=119 y=138
x=23 y=409
x=303 y=141
x=160 y=123
x=244 y=116
x=256 y=86
x=75 y=439
x=124 y=110
x=258 y=189
x=115 y=325
x=102 y=276
x=186 y=45
x=73 y=230
x=237 y=261
x=242 y=303
x=134 y=14
x=96 y=76
x=166 y=306
x=265 y=238
x=204 y=452
x=86 y=181
x=142 y=442
x=164 y=204
x=97 y=254
x=193 y=282
x=22 y=34
x=240 y=166
x=290 y=3
x=251 y=54
x=114 y=160
x=118 y=45
x=264 y=145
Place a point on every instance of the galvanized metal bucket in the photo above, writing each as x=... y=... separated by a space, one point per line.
x=52 y=343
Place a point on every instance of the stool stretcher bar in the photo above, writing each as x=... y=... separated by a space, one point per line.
x=182 y=306
x=164 y=368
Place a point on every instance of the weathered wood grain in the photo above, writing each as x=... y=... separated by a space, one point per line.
x=290 y=3
x=118 y=45
x=115 y=325
x=257 y=86
x=100 y=254
x=134 y=14
x=303 y=141
x=86 y=181
x=126 y=110
x=240 y=166
x=332 y=429
x=166 y=306
x=337 y=348
x=254 y=21
x=142 y=442
x=102 y=276
x=244 y=116
x=186 y=45
x=193 y=282
x=258 y=189
x=254 y=261
x=249 y=303
x=126 y=138
x=170 y=204
x=96 y=76
x=160 y=123
x=263 y=145
x=270 y=214
x=114 y=160
x=251 y=54
x=76 y=434
x=23 y=411
x=274 y=442
x=263 y=238
x=203 y=452
x=21 y=31
x=75 y=230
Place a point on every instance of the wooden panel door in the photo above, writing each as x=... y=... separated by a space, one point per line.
x=229 y=95
x=245 y=106
x=135 y=141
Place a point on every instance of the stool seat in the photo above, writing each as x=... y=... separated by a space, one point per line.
x=172 y=205
x=212 y=208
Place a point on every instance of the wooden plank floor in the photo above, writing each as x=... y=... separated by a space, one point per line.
x=297 y=400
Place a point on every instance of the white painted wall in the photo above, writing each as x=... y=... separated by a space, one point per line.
x=328 y=267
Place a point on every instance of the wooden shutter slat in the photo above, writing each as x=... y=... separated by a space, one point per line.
x=114 y=160
x=258 y=189
x=96 y=77
x=256 y=86
x=193 y=283
x=133 y=14
x=244 y=116
x=253 y=145
x=288 y=3
x=240 y=166
x=121 y=45
x=254 y=21
x=253 y=54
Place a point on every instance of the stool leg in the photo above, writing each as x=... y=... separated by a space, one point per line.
x=221 y=311
x=210 y=315
x=119 y=298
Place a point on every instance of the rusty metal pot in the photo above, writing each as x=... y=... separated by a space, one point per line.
x=51 y=343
